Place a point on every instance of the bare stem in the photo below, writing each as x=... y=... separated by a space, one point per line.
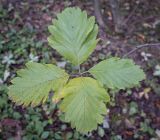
x=74 y=75
x=141 y=46
x=79 y=69
x=84 y=72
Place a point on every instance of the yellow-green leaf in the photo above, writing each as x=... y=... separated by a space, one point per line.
x=83 y=103
x=33 y=84
x=73 y=35
x=118 y=73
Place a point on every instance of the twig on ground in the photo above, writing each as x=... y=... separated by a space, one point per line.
x=130 y=15
x=141 y=46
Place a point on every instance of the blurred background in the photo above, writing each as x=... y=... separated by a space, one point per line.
x=127 y=28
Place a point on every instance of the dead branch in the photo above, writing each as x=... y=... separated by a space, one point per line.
x=141 y=46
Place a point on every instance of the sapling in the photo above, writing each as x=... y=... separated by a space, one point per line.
x=83 y=99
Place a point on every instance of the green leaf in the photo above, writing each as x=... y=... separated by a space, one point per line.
x=118 y=73
x=133 y=109
x=33 y=84
x=101 y=131
x=73 y=35
x=83 y=103
x=45 y=134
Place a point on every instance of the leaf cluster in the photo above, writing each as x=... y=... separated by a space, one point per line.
x=84 y=99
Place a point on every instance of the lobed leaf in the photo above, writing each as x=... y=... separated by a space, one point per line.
x=83 y=103
x=118 y=73
x=33 y=84
x=73 y=35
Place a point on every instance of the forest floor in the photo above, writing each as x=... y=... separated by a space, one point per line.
x=134 y=114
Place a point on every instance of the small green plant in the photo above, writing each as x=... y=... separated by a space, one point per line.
x=83 y=99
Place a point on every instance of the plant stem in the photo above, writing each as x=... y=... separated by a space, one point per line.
x=74 y=75
x=79 y=74
x=79 y=69
x=84 y=72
